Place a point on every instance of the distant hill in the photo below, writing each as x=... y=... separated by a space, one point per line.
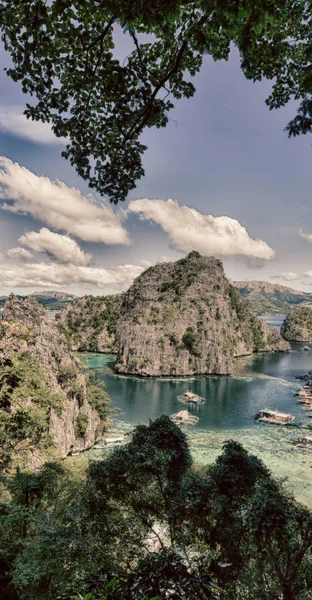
x=266 y=298
x=53 y=294
x=49 y=299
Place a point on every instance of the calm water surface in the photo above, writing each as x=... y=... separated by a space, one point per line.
x=260 y=381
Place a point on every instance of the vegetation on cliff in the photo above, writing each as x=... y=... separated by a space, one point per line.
x=270 y=298
x=297 y=326
x=185 y=318
x=47 y=404
x=145 y=523
x=89 y=324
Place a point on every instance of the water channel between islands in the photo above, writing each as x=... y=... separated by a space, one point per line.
x=260 y=381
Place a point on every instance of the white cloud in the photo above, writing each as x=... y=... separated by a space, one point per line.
x=188 y=229
x=53 y=275
x=63 y=248
x=14 y=122
x=288 y=276
x=19 y=254
x=59 y=206
x=306 y=236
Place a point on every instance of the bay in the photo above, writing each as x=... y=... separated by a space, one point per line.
x=265 y=380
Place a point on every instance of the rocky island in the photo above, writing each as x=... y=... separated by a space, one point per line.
x=185 y=318
x=47 y=405
x=297 y=326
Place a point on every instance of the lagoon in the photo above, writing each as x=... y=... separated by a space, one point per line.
x=260 y=381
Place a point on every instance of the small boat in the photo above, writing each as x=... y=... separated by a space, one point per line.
x=274 y=416
x=190 y=398
x=116 y=441
x=184 y=418
x=303 y=442
x=304 y=392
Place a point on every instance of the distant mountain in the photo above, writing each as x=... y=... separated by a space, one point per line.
x=49 y=299
x=53 y=294
x=266 y=298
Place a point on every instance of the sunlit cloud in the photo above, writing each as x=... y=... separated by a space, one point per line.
x=188 y=229
x=61 y=247
x=19 y=254
x=14 y=122
x=59 y=206
x=306 y=236
x=52 y=275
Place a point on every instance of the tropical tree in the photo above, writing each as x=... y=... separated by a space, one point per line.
x=147 y=523
x=63 y=54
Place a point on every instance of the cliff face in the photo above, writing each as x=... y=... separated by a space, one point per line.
x=45 y=398
x=89 y=323
x=266 y=298
x=297 y=326
x=185 y=318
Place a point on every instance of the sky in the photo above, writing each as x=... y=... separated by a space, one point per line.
x=223 y=179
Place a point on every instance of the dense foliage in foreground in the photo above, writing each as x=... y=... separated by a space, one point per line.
x=145 y=523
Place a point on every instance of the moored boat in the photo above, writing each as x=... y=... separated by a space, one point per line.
x=303 y=442
x=190 y=398
x=267 y=415
x=184 y=418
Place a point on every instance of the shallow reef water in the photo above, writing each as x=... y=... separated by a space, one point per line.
x=260 y=381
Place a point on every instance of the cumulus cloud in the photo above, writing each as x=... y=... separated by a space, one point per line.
x=14 y=122
x=61 y=247
x=306 y=236
x=188 y=229
x=287 y=276
x=59 y=206
x=51 y=275
x=19 y=254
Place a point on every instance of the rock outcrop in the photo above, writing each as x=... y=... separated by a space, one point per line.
x=90 y=322
x=266 y=298
x=297 y=326
x=41 y=381
x=185 y=318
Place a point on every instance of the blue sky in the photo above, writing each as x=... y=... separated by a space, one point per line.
x=223 y=154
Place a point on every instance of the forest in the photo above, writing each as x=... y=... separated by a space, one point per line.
x=145 y=522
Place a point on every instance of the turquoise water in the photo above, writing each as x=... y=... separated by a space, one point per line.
x=260 y=381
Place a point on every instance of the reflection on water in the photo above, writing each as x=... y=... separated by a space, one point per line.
x=261 y=380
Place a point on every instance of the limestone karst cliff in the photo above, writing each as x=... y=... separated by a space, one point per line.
x=297 y=326
x=46 y=400
x=89 y=323
x=185 y=318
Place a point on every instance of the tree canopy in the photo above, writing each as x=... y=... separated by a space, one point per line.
x=145 y=523
x=64 y=56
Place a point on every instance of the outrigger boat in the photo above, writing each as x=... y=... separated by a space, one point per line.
x=190 y=398
x=184 y=418
x=305 y=392
x=273 y=416
x=303 y=442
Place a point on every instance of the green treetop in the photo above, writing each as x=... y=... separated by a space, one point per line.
x=63 y=54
